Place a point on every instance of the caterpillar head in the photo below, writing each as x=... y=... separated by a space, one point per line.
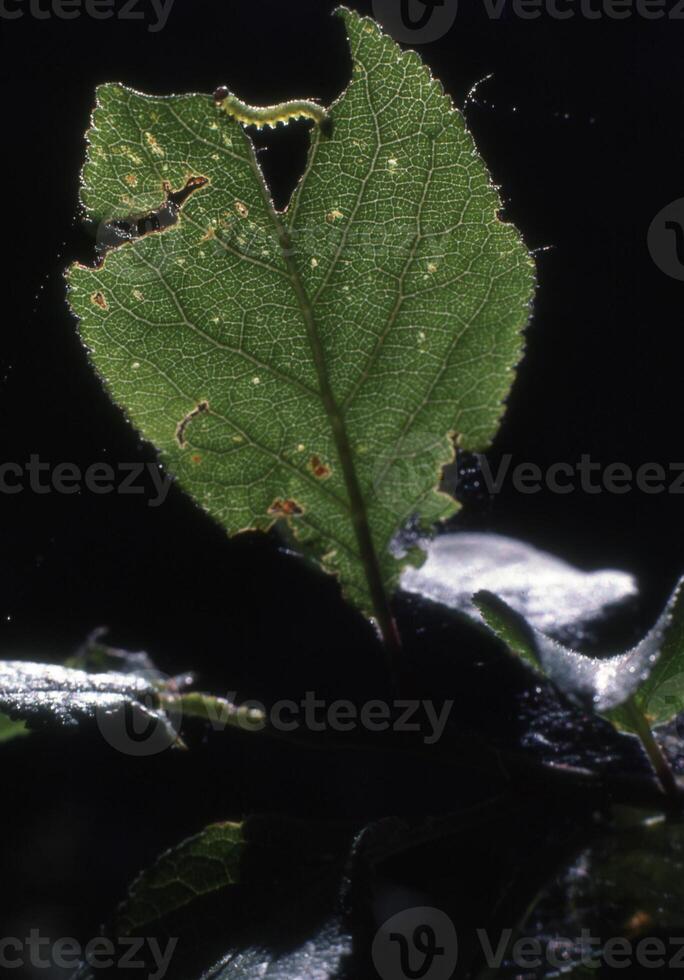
x=221 y=94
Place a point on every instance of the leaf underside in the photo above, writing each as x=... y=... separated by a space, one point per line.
x=550 y=594
x=274 y=359
x=651 y=673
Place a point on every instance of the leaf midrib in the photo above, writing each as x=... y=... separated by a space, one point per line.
x=357 y=505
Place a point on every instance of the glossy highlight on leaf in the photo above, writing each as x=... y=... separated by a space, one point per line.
x=605 y=683
x=549 y=593
x=38 y=692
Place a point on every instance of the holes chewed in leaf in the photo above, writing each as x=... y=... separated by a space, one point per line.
x=320 y=325
x=114 y=233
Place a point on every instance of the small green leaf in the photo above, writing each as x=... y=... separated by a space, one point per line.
x=509 y=626
x=660 y=697
x=313 y=366
x=200 y=865
x=651 y=671
x=11 y=729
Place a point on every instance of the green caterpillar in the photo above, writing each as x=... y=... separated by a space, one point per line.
x=271 y=115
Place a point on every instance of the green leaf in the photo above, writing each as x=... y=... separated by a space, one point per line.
x=265 y=897
x=313 y=366
x=660 y=697
x=509 y=626
x=200 y=865
x=11 y=729
x=652 y=671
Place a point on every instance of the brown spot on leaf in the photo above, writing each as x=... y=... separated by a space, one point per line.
x=196 y=458
x=199 y=409
x=284 y=508
x=639 y=923
x=319 y=469
x=98 y=299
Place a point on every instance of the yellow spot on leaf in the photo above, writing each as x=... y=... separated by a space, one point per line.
x=153 y=145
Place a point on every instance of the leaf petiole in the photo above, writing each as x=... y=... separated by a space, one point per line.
x=656 y=756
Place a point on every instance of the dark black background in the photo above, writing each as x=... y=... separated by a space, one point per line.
x=581 y=125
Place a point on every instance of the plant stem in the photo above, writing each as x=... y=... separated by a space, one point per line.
x=654 y=752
